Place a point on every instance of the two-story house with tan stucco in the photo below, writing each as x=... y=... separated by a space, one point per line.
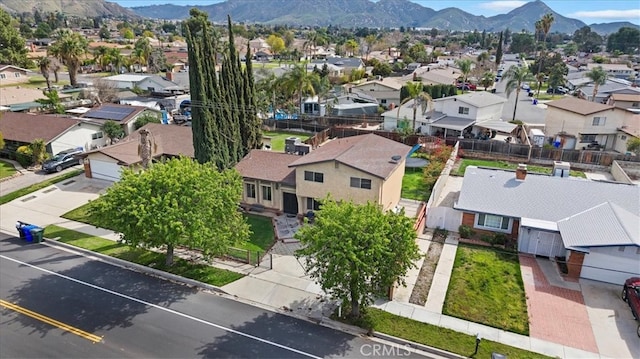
x=360 y=169
x=576 y=123
x=386 y=91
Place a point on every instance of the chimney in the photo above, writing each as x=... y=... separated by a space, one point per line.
x=169 y=75
x=521 y=172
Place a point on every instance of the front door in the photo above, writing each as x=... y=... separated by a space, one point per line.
x=290 y=203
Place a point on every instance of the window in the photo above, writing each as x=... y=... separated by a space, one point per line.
x=97 y=135
x=251 y=190
x=621 y=249
x=313 y=176
x=492 y=222
x=16 y=74
x=635 y=104
x=587 y=138
x=599 y=121
x=266 y=193
x=3 y=76
x=312 y=204
x=623 y=137
x=360 y=183
x=463 y=110
x=383 y=101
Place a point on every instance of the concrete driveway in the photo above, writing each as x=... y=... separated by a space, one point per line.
x=613 y=325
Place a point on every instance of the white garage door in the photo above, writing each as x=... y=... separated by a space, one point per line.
x=105 y=170
x=610 y=265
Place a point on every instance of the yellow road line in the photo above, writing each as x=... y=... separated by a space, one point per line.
x=92 y=337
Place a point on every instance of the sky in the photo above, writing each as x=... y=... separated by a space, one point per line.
x=589 y=11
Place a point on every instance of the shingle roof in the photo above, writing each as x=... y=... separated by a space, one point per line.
x=625 y=97
x=268 y=166
x=582 y=107
x=542 y=197
x=23 y=127
x=477 y=99
x=368 y=153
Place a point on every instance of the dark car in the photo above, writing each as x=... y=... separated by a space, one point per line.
x=557 y=90
x=631 y=295
x=62 y=160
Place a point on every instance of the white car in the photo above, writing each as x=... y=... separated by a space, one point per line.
x=525 y=86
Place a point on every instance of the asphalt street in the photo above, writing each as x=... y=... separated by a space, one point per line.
x=56 y=304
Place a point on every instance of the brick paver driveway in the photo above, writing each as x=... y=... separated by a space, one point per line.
x=555 y=314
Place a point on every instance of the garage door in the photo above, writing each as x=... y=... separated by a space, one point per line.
x=105 y=170
x=610 y=266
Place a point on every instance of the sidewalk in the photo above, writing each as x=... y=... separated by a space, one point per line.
x=286 y=287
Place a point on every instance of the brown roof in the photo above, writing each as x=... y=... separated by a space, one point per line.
x=169 y=140
x=23 y=127
x=626 y=97
x=582 y=107
x=268 y=166
x=368 y=153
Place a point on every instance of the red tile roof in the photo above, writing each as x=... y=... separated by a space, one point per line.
x=268 y=166
x=23 y=127
x=368 y=153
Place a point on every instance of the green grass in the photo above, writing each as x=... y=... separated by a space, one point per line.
x=200 y=272
x=508 y=165
x=413 y=186
x=38 y=186
x=261 y=239
x=277 y=138
x=486 y=287
x=6 y=169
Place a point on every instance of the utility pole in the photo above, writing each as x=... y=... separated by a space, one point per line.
x=145 y=148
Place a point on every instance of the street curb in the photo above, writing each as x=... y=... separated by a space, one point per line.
x=418 y=346
x=134 y=266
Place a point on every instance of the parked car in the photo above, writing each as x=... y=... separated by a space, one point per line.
x=62 y=160
x=525 y=86
x=558 y=90
x=631 y=295
x=466 y=87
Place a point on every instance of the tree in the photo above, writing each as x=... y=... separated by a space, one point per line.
x=545 y=27
x=599 y=77
x=358 y=264
x=127 y=33
x=175 y=203
x=370 y=40
x=38 y=151
x=144 y=119
x=515 y=77
x=70 y=48
x=488 y=78
x=104 y=33
x=351 y=46
x=44 y=64
x=2 y=143
x=499 y=51
x=13 y=50
x=112 y=130
x=626 y=40
x=52 y=101
x=415 y=92
x=157 y=62
x=141 y=51
x=276 y=43
x=482 y=58
x=300 y=82
x=557 y=74
x=465 y=68
x=587 y=40
x=381 y=69
x=633 y=145
x=522 y=43
x=42 y=31
x=571 y=49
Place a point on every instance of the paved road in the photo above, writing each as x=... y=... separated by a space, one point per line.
x=141 y=316
x=29 y=178
x=526 y=112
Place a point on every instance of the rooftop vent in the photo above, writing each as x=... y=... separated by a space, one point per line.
x=395 y=159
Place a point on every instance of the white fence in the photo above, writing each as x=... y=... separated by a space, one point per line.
x=443 y=217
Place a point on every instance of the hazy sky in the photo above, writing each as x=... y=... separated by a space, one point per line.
x=589 y=11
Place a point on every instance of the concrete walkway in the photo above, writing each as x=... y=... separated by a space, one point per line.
x=403 y=294
x=285 y=287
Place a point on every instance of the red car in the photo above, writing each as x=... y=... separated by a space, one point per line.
x=466 y=87
x=631 y=295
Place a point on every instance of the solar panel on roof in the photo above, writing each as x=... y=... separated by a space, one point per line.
x=110 y=113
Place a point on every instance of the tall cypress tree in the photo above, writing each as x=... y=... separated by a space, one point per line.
x=251 y=127
x=499 y=51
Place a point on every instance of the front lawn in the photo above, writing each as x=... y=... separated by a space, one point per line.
x=413 y=186
x=261 y=239
x=200 y=272
x=438 y=337
x=465 y=162
x=6 y=169
x=486 y=287
x=278 y=137
x=38 y=186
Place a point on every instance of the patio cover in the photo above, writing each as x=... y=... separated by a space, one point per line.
x=453 y=123
x=498 y=125
x=538 y=224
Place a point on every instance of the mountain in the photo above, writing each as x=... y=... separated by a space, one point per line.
x=82 y=8
x=611 y=27
x=526 y=16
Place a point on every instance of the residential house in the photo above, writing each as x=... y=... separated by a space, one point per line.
x=360 y=168
x=468 y=113
x=386 y=90
x=58 y=133
x=612 y=85
x=151 y=83
x=106 y=163
x=347 y=64
x=621 y=71
x=333 y=70
x=597 y=234
x=10 y=74
x=629 y=130
x=435 y=75
x=629 y=101
x=573 y=123
x=124 y=115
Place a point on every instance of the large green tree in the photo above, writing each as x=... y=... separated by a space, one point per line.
x=175 y=203
x=587 y=40
x=12 y=44
x=70 y=47
x=465 y=67
x=357 y=252
x=626 y=39
x=515 y=77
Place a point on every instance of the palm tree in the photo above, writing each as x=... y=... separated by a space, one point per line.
x=545 y=26
x=143 y=50
x=370 y=40
x=351 y=46
x=539 y=79
x=488 y=78
x=465 y=68
x=515 y=76
x=70 y=47
x=416 y=93
x=44 y=63
x=313 y=40
x=100 y=55
x=138 y=57
x=299 y=82
x=599 y=77
x=116 y=60
x=55 y=68
x=483 y=57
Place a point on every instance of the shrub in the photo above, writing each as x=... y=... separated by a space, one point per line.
x=500 y=239
x=466 y=231
x=24 y=156
x=487 y=238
